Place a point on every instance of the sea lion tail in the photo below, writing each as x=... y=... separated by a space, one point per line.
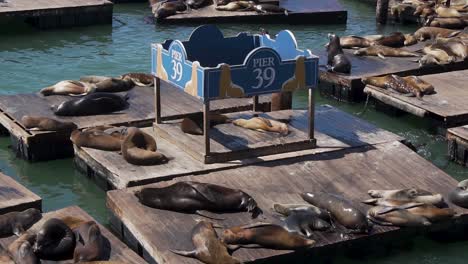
x=185 y=253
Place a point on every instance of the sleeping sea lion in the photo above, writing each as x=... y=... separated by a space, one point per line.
x=89 y=243
x=139 y=78
x=270 y=8
x=451 y=23
x=424 y=9
x=193 y=124
x=139 y=148
x=382 y=51
x=287 y=209
x=96 y=140
x=237 y=6
x=443 y=11
x=46 y=124
x=348 y=42
x=194 y=196
x=54 y=241
x=115 y=85
x=418 y=83
x=15 y=223
x=198 y=3
x=398 y=217
x=336 y=59
x=304 y=223
x=21 y=249
x=442 y=55
x=409 y=195
x=265 y=235
x=433 y=32
x=68 y=87
x=399 y=11
x=93 y=78
x=395 y=40
x=459 y=195
x=410 y=39
x=262 y=124
x=394 y=83
x=455 y=48
x=208 y=248
x=340 y=208
x=92 y=104
x=429 y=212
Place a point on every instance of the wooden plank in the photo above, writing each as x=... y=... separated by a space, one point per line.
x=349 y=172
x=40 y=6
x=16 y=197
x=334 y=130
x=118 y=250
x=447 y=105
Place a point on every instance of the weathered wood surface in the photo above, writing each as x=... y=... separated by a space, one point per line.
x=118 y=250
x=334 y=130
x=349 y=87
x=349 y=172
x=16 y=197
x=448 y=105
x=457 y=138
x=320 y=12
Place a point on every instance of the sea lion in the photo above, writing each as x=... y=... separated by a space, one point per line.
x=96 y=140
x=139 y=148
x=382 y=51
x=399 y=217
x=410 y=39
x=92 y=104
x=223 y=2
x=262 y=124
x=115 y=85
x=348 y=42
x=337 y=60
x=418 y=83
x=429 y=59
x=18 y=222
x=443 y=11
x=433 y=32
x=459 y=195
x=237 y=6
x=163 y=11
x=194 y=196
x=287 y=209
x=424 y=10
x=55 y=241
x=139 y=78
x=208 y=248
x=68 y=87
x=89 y=243
x=340 y=208
x=93 y=79
x=394 y=83
x=451 y=23
x=395 y=40
x=409 y=195
x=270 y=8
x=428 y=211
x=443 y=56
x=21 y=249
x=455 y=48
x=304 y=223
x=198 y=3
x=265 y=235
x=399 y=11
x=193 y=124
x=41 y=123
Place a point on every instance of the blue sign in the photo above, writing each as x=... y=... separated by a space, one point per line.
x=211 y=66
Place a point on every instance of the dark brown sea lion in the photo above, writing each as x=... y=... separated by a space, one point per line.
x=263 y=125
x=68 y=87
x=198 y=3
x=163 y=12
x=337 y=60
x=433 y=32
x=193 y=124
x=340 y=208
x=92 y=104
x=409 y=195
x=96 y=140
x=195 y=196
x=418 y=83
x=270 y=8
x=399 y=11
x=348 y=42
x=459 y=195
x=382 y=51
x=89 y=243
x=394 y=83
x=21 y=249
x=46 y=124
x=54 y=241
x=265 y=235
x=208 y=248
x=139 y=148
x=395 y=40
x=115 y=85
x=18 y=222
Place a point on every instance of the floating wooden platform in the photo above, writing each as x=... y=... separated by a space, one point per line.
x=448 y=106
x=302 y=12
x=46 y=14
x=350 y=172
x=47 y=145
x=349 y=87
x=118 y=251
x=16 y=197
x=458 y=144
x=334 y=130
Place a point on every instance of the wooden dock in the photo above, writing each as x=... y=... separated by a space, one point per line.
x=349 y=87
x=350 y=172
x=47 y=145
x=46 y=14
x=334 y=130
x=16 y=197
x=458 y=144
x=301 y=12
x=118 y=251
x=447 y=107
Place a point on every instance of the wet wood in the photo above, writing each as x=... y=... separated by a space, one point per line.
x=350 y=172
x=447 y=106
x=334 y=130
x=118 y=250
x=457 y=138
x=16 y=197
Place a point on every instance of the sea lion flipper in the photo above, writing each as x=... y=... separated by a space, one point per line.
x=370 y=201
x=381 y=56
x=185 y=253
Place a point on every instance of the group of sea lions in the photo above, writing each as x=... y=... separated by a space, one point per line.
x=57 y=239
x=408 y=86
x=235 y=5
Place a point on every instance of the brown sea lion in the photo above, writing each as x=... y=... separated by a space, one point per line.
x=304 y=223
x=265 y=235
x=455 y=48
x=198 y=3
x=341 y=209
x=443 y=11
x=399 y=217
x=424 y=10
x=96 y=140
x=410 y=39
x=348 y=42
x=394 y=83
x=395 y=40
x=92 y=104
x=429 y=59
x=336 y=59
x=262 y=124
x=115 y=85
x=409 y=195
x=18 y=222
x=429 y=212
x=459 y=195
x=443 y=56
x=21 y=249
x=193 y=124
x=139 y=148
x=451 y=23
x=89 y=243
x=68 y=87
x=195 y=196
x=237 y=6
x=139 y=78
x=46 y=124
x=418 y=83
x=93 y=79
x=208 y=248
x=382 y=51
x=270 y=8
x=399 y=11
x=433 y=32
x=287 y=209
x=54 y=241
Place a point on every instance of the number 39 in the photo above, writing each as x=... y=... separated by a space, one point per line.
x=177 y=70
x=268 y=74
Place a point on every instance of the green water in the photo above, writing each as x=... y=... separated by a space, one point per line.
x=30 y=60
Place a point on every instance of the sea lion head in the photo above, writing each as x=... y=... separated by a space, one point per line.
x=29 y=216
x=250 y=205
x=463 y=185
x=82 y=254
x=333 y=41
